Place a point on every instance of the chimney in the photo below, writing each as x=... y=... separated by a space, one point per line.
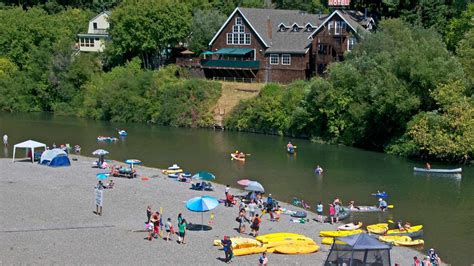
x=365 y=13
x=269 y=28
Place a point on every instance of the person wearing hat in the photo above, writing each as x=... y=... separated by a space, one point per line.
x=382 y=204
x=227 y=244
x=270 y=206
x=433 y=257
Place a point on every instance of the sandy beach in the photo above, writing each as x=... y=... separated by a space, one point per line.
x=46 y=217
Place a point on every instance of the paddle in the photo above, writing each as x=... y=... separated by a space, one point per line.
x=390 y=206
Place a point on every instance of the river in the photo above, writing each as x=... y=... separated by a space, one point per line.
x=443 y=204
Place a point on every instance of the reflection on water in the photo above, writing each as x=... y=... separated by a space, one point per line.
x=442 y=204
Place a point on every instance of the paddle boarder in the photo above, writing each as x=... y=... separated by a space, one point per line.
x=382 y=204
x=428 y=166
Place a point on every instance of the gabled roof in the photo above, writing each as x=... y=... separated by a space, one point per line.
x=346 y=17
x=108 y=13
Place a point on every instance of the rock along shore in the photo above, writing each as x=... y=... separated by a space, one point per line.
x=46 y=217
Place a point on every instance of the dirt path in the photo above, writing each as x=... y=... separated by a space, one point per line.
x=232 y=94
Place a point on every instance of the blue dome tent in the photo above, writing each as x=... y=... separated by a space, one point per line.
x=55 y=158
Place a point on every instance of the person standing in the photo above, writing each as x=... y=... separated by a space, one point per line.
x=263 y=260
x=182 y=231
x=227 y=189
x=319 y=211
x=227 y=244
x=337 y=210
x=434 y=258
x=332 y=213
x=169 y=229
x=155 y=219
x=256 y=221
x=252 y=206
x=148 y=214
x=5 y=140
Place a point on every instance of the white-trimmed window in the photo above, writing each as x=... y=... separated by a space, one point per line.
x=247 y=38
x=295 y=28
x=241 y=38
x=238 y=21
x=309 y=28
x=229 y=38
x=337 y=28
x=282 y=28
x=274 y=59
x=236 y=38
x=235 y=28
x=241 y=28
x=330 y=27
x=350 y=43
x=286 y=59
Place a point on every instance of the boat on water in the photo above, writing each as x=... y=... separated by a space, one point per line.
x=350 y=226
x=122 y=133
x=381 y=195
x=402 y=240
x=106 y=139
x=441 y=171
x=365 y=209
x=235 y=156
x=413 y=232
x=379 y=228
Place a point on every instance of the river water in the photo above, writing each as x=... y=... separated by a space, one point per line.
x=443 y=204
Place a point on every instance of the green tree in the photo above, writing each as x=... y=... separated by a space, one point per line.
x=444 y=134
x=145 y=28
x=458 y=27
x=465 y=52
x=204 y=25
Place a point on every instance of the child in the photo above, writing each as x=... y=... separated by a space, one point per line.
x=169 y=229
x=263 y=260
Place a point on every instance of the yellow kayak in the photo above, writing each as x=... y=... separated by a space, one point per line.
x=406 y=231
x=296 y=249
x=290 y=241
x=240 y=242
x=267 y=237
x=339 y=233
x=402 y=240
x=248 y=251
x=330 y=240
x=377 y=228
x=167 y=171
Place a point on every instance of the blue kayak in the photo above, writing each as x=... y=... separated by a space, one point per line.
x=381 y=195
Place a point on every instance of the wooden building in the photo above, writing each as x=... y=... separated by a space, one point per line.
x=271 y=45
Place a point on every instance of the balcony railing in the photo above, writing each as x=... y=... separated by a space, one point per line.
x=99 y=31
x=188 y=62
x=210 y=63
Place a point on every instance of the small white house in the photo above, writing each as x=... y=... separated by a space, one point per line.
x=97 y=33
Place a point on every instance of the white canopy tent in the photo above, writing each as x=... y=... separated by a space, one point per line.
x=29 y=144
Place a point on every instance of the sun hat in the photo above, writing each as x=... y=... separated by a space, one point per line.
x=380 y=199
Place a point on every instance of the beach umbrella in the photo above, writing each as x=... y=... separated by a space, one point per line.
x=205 y=176
x=244 y=182
x=102 y=176
x=255 y=186
x=131 y=162
x=100 y=152
x=202 y=204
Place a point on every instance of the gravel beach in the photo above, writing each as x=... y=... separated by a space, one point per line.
x=46 y=217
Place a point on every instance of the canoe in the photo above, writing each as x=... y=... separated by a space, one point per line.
x=248 y=251
x=377 y=228
x=442 y=171
x=174 y=167
x=186 y=175
x=173 y=175
x=402 y=240
x=240 y=242
x=234 y=157
x=350 y=226
x=339 y=233
x=366 y=209
x=296 y=249
x=265 y=238
x=330 y=240
x=413 y=232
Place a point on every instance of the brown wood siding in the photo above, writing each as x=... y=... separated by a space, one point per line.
x=297 y=69
x=336 y=45
x=255 y=43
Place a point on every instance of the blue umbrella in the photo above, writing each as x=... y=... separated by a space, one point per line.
x=206 y=176
x=255 y=186
x=202 y=204
x=102 y=176
x=131 y=162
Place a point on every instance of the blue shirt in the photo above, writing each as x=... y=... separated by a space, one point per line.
x=382 y=203
x=269 y=200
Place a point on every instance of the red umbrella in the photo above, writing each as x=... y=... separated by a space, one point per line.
x=244 y=182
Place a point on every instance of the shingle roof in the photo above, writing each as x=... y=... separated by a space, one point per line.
x=288 y=41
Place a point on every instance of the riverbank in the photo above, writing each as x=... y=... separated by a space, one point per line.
x=46 y=217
